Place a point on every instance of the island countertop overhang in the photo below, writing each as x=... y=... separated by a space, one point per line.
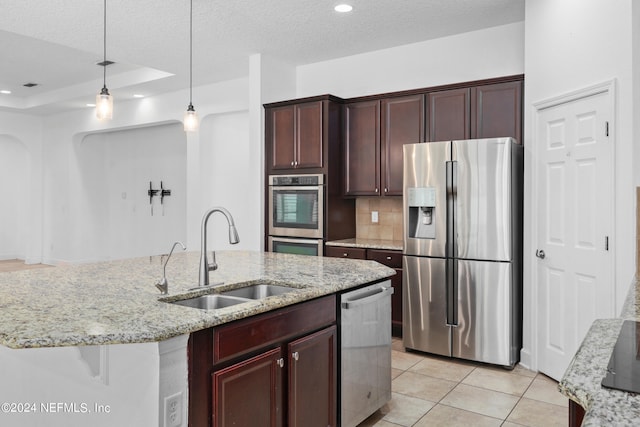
x=116 y=302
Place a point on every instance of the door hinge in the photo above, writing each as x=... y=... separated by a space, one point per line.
x=606 y=243
x=606 y=128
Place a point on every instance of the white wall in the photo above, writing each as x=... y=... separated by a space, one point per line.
x=20 y=186
x=69 y=234
x=114 y=215
x=102 y=386
x=15 y=177
x=569 y=45
x=493 y=52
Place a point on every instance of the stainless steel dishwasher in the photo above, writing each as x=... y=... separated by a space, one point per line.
x=365 y=318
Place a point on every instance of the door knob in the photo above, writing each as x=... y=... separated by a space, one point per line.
x=540 y=254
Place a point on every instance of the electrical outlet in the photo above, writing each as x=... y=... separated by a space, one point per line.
x=374 y=216
x=173 y=410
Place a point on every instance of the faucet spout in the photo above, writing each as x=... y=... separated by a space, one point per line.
x=163 y=284
x=205 y=266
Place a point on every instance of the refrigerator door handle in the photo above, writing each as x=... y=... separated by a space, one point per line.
x=451 y=190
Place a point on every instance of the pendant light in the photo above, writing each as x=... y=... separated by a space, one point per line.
x=190 y=116
x=104 y=100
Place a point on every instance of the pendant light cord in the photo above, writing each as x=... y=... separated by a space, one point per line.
x=190 y=54
x=104 y=48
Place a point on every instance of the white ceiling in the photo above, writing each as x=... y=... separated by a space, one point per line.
x=57 y=43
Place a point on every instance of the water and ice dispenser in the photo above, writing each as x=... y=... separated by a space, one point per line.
x=422 y=212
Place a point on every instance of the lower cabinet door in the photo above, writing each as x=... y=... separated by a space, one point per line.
x=313 y=380
x=249 y=393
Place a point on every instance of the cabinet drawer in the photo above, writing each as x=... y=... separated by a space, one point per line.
x=391 y=259
x=263 y=330
x=342 y=252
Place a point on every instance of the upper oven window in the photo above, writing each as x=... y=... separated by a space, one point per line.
x=295 y=208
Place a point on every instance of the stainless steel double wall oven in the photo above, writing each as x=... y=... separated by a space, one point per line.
x=296 y=214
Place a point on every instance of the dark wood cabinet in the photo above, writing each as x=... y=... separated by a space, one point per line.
x=295 y=133
x=402 y=123
x=449 y=113
x=312 y=380
x=345 y=252
x=257 y=381
x=362 y=148
x=497 y=110
x=390 y=258
x=375 y=132
x=273 y=369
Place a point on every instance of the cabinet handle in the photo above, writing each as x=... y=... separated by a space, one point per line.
x=376 y=190
x=280 y=362
x=345 y=254
x=385 y=190
x=389 y=258
x=295 y=355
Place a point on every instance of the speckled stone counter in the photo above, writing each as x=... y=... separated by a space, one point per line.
x=582 y=380
x=117 y=302
x=394 y=245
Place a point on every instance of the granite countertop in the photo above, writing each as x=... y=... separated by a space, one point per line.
x=394 y=245
x=117 y=302
x=582 y=380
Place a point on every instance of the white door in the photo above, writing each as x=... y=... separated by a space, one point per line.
x=574 y=214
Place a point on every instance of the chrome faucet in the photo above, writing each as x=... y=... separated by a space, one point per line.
x=163 y=284
x=205 y=266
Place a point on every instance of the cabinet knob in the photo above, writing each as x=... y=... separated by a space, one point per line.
x=389 y=258
x=280 y=362
x=345 y=254
x=295 y=356
x=292 y=163
x=376 y=190
x=386 y=190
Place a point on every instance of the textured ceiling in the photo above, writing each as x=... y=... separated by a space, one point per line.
x=57 y=43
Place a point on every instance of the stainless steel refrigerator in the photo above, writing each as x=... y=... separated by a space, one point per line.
x=462 y=259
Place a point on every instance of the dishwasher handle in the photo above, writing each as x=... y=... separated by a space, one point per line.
x=366 y=298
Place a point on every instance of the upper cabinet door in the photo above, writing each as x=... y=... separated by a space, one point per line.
x=294 y=135
x=281 y=125
x=309 y=135
x=402 y=123
x=449 y=114
x=497 y=111
x=362 y=148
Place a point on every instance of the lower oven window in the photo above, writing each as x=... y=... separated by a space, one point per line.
x=313 y=248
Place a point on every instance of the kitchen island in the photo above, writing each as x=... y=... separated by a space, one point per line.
x=55 y=324
x=581 y=383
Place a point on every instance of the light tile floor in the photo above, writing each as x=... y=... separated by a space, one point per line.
x=429 y=390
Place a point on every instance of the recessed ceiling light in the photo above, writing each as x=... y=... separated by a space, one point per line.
x=343 y=8
x=137 y=95
x=6 y=92
x=91 y=105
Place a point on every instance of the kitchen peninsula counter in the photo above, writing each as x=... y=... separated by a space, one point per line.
x=117 y=302
x=582 y=381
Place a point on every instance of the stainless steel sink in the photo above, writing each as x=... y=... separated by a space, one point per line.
x=258 y=291
x=211 y=301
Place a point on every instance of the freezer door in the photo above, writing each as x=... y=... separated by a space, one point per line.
x=483 y=199
x=486 y=314
x=424 y=323
x=425 y=178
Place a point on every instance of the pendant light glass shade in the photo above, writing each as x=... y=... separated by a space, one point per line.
x=190 y=120
x=104 y=105
x=104 y=100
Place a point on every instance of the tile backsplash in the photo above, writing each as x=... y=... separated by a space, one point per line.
x=389 y=225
